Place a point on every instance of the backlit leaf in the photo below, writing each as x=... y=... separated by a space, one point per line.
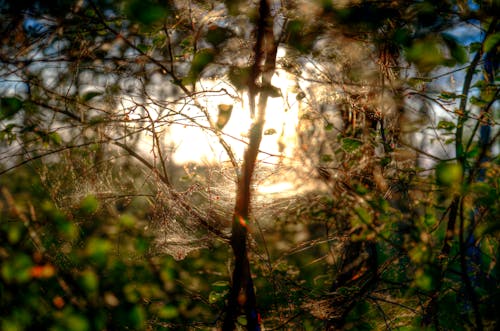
x=269 y=132
x=446 y=125
x=448 y=174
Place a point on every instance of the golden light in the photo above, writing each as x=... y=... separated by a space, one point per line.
x=232 y=117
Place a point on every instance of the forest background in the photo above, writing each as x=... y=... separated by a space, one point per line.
x=259 y=165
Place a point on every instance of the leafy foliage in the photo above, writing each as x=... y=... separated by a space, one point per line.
x=392 y=220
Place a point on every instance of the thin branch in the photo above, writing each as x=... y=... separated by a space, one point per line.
x=207 y=223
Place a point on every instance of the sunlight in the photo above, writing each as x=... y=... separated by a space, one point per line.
x=279 y=139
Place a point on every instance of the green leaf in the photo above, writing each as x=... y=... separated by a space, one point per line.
x=137 y=316
x=350 y=145
x=215 y=296
x=446 y=125
x=217 y=35
x=143 y=48
x=242 y=320
x=9 y=107
x=76 y=322
x=221 y=283
x=17 y=269
x=90 y=95
x=55 y=138
x=89 y=204
x=127 y=220
x=448 y=174
x=476 y=101
x=89 y=280
x=363 y=215
x=168 y=312
x=299 y=36
x=424 y=280
x=97 y=249
x=474 y=47
x=326 y=158
x=457 y=51
x=148 y=12
x=15 y=232
x=448 y=95
x=200 y=61
x=67 y=229
x=491 y=41
x=425 y=54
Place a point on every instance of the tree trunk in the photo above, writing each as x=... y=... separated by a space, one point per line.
x=242 y=295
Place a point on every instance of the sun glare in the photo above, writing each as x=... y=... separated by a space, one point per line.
x=192 y=145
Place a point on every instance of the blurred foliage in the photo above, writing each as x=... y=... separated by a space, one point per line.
x=392 y=235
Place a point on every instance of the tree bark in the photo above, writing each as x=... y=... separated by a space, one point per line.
x=242 y=294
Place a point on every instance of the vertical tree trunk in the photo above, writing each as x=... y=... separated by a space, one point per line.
x=242 y=294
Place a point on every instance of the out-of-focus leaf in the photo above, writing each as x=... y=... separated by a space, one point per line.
x=269 y=132
x=14 y=232
x=89 y=204
x=98 y=249
x=425 y=54
x=137 y=317
x=239 y=77
x=55 y=138
x=491 y=41
x=223 y=116
x=299 y=36
x=423 y=281
x=301 y=95
x=448 y=95
x=168 y=312
x=242 y=320
x=272 y=91
x=200 y=61
x=477 y=101
x=402 y=37
x=17 y=269
x=127 y=220
x=457 y=51
x=217 y=35
x=141 y=244
x=350 y=145
x=143 y=48
x=326 y=158
x=446 y=125
x=9 y=107
x=215 y=296
x=89 y=280
x=221 y=283
x=148 y=11
x=90 y=95
x=75 y=322
x=364 y=215
x=448 y=174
